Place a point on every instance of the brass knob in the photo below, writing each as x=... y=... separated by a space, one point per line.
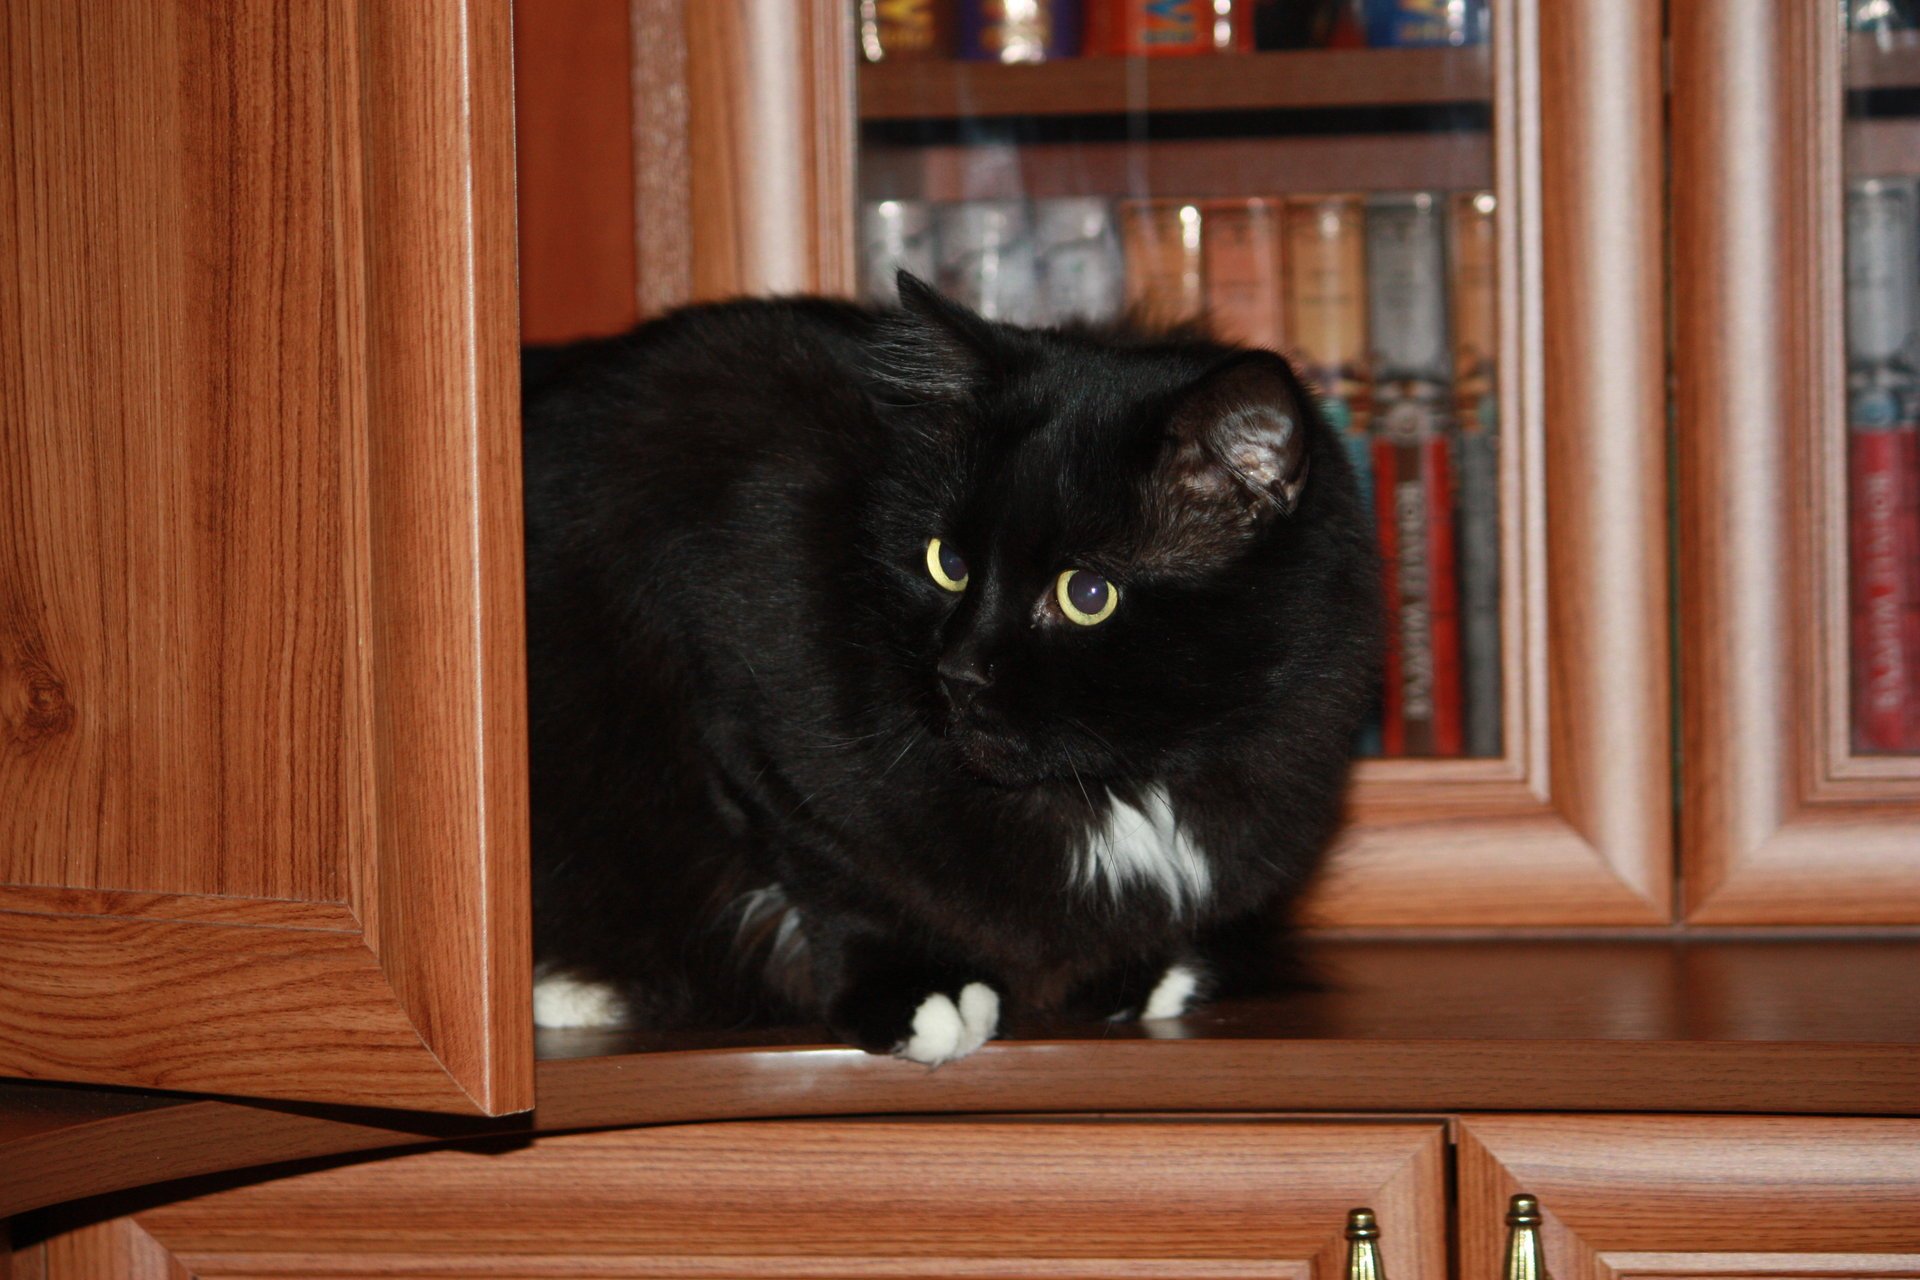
x=1363 y=1247
x=1526 y=1258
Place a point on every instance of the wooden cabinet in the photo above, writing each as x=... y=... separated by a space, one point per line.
x=1695 y=1196
x=262 y=815
x=874 y=1198
x=1656 y=1196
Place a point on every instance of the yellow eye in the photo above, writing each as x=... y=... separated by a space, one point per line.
x=1086 y=597
x=945 y=566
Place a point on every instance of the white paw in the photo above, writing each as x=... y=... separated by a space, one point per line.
x=563 y=1001
x=943 y=1031
x=1172 y=994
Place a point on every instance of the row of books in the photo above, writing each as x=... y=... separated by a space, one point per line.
x=1385 y=302
x=1883 y=460
x=1043 y=30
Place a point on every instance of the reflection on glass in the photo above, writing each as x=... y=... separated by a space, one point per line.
x=1053 y=161
x=1882 y=225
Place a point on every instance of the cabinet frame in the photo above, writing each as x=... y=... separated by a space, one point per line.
x=1780 y=822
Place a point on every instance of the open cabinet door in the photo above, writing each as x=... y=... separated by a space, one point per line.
x=262 y=753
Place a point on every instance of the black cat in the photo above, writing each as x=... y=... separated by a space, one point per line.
x=904 y=670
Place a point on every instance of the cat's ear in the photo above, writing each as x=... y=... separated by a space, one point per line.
x=933 y=348
x=1237 y=440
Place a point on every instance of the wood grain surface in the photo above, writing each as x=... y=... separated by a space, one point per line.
x=260 y=654
x=946 y=89
x=982 y=1198
x=1695 y=1195
x=1780 y=823
x=1801 y=1027
x=573 y=132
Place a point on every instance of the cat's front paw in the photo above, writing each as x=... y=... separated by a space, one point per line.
x=945 y=1029
x=1177 y=991
x=929 y=1027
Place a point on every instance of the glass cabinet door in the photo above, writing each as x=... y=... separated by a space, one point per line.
x=1797 y=353
x=1312 y=178
x=1358 y=184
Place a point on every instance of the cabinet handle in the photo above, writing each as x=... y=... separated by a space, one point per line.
x=1526 y=1258
x=1363 y=1247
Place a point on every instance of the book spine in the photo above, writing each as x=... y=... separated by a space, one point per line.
x=1152 y=28
x=985 y=252
x=1244 y=274
x=1033 y=31
x=1883 y=462
x=1161 y=240
x=1324 y=320
x=1082 y=275
x=1412 y=366
x=898 y=30
x=1473 y=265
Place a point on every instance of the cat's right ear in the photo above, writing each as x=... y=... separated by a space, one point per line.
x=932 y=348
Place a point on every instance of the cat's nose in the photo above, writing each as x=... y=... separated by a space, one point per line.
x=962 y=675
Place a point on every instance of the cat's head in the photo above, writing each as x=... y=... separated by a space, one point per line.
x=1106 y=553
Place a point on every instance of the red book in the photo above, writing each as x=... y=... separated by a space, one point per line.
x=1413 y=500
x=1149 y=28
x=1884 y=531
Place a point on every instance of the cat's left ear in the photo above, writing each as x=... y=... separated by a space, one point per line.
x=1238 y=438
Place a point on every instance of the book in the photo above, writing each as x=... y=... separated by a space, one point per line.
x=1413 y=472
x=1018 y=31
x=1161 y=240
x=1472 y=264
x=1244 y=279
x=1883 y=462
x=1324 y=321
x=1082 y=275
x=897 y=30
x=1149 y=28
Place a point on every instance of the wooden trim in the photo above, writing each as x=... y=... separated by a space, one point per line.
x=1575 y=828
x=761 y=92
x=1780 y=824
x=270 y=913
x=946 y=89
x=448 y=695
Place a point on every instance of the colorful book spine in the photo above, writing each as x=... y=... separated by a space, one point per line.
x=1413 y=473
x=1426 y=24
x=1018 y=30
x=1166 y=269
x=1150 y=28
x=1242 y=259
x=1324 y=319
x=896 y=30
x=1473 y=264
x=1883 y=462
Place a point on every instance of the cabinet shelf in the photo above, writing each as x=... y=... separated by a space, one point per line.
x=1874 y=63
x=1342 y=78
x=1790 y=1026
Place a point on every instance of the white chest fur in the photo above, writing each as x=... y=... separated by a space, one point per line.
x=1144 y=845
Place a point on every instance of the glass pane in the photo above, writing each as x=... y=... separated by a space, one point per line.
x=1311 y=176
x=1883 y=357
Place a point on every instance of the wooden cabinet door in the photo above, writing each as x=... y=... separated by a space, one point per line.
x=262 y=822
x=826 y=1199
x=1664 y=1197
x=1790 y=814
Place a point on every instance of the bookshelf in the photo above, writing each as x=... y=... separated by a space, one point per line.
x=1294 y=80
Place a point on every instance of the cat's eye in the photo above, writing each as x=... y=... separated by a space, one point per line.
x=945 y=565
x=1085 y=597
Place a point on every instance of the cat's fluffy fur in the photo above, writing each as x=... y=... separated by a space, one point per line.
x=755 y=794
